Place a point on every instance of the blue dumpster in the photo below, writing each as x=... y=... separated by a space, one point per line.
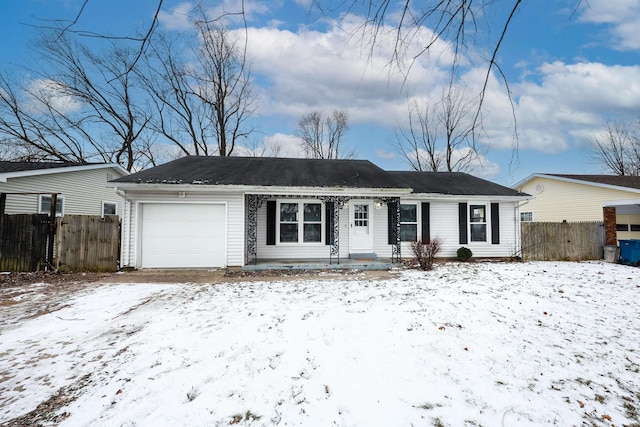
x=630 y=252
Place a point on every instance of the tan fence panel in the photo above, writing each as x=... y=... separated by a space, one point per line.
x=88 y=243
x=23 y=242
x=562 y=241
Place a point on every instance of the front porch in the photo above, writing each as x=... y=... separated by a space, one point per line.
x=334 y=223
x=322 y=264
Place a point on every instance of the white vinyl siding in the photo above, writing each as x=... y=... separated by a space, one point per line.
x=300 y=251
x=83 y=191
x=444 y=225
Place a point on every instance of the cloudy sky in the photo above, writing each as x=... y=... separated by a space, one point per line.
x=571 y=65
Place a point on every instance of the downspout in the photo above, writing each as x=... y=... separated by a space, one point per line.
x=123 y=194
x=518 y=226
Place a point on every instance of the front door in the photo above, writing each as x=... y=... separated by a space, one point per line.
x=361 y=224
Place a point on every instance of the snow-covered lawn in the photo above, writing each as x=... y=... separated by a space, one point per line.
x=489 y=344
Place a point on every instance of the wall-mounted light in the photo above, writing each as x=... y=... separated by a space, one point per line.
x=182 y=194
x=378 y=204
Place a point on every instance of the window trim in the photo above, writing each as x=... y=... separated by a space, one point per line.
x=301 y=222
x=526 y=212
x=416 y=223
x=104 y=202
x=59 y=202
x=486 y=222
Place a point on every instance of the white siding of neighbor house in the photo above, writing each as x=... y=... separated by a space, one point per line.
x=235 y=222
x=567 y=201
x=83 y=191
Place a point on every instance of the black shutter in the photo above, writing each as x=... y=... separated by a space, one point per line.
x=426 y=226
x=495 y=223
x=392 y=209
x=329 y=220
x=462 y=222
x=271 y=222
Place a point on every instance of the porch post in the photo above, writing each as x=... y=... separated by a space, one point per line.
x=396 y=255
x=395 y=250
x=254 y=202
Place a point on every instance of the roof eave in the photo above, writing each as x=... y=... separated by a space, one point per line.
x=499 y=198
x=574 y=181
x=36 y=172
x=262 y=190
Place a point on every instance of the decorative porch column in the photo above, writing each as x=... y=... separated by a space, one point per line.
x=254 y=202
x=396 y=255
x=334 y=224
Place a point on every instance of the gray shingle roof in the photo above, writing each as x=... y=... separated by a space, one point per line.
x=287 y=172
x=452 y=183
x=8 y=167
x=265 y=171
x=620 y=181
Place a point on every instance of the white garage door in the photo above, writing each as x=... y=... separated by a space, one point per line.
x=183 y=235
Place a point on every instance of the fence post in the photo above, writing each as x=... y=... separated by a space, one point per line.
x=52 y=228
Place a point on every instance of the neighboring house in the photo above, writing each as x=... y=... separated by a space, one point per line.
x=575 y=198
x=234 y=211
x=80 y=188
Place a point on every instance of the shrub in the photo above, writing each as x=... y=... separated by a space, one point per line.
x=425 y=252
x=464 y=254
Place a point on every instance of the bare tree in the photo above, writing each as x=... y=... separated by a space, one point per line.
x=37 y=122
x=81 y=107
x=619 y=150
x=224 y=83
x=179 y=115
x=322 y=137
x=84 y=104
x=458 y=22
x=439 y=137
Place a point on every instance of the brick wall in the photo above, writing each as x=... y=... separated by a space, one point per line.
x=610 y=233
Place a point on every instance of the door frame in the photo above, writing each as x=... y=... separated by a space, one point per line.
x=369 y=248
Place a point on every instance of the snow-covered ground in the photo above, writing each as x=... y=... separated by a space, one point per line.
x=492 y=344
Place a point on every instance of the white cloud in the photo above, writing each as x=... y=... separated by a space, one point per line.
x=52 y=93
x=623 y=17
x=177 y=18
x=313 y=70
x=384 y=154
x=562 y=107
x=277 y=145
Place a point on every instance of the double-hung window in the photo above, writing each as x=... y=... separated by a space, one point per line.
x=408 y=222
x=478 y=222
x=44 y=205
x=300 y=222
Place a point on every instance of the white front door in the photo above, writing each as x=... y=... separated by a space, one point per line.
x=361 y=225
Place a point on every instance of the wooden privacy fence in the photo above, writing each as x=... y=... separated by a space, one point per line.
x=23 y=242
x=87 y=243
x=562 y=241
x=80 y=243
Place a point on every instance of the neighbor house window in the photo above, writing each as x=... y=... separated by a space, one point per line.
x=635 y=227
x=300 y=222
x=478 y=223
x=45 y=205
x=622 y=227
x=526 y=216
x=408 y=222
x=109 y=208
